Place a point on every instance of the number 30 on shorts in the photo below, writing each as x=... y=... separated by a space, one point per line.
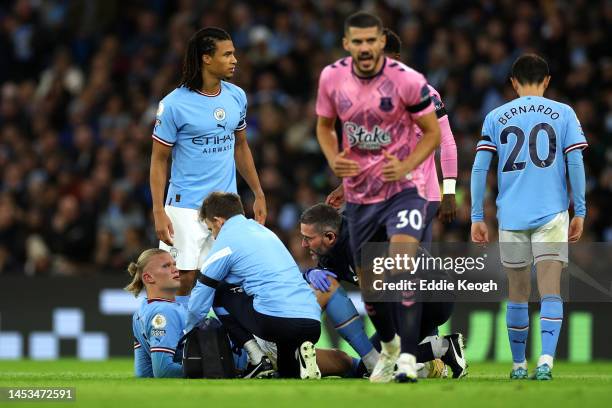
x=415 y=219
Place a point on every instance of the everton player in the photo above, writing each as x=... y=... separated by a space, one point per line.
x=379 y=101
x=202 y=125
x=444 y=202
x=539 y=141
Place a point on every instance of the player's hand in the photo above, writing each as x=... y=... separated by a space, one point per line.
x=318 y=279
x=393 y=169
x=480 y=233
x=336 y=197
x=343 y=167
x=575 y=229
x=163 y=227
x=260 y=210
x=448 y=208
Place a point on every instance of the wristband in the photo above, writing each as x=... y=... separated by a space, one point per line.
x=448 y=186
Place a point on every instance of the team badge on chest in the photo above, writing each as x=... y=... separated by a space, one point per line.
x=219 y=114
x=386 y=104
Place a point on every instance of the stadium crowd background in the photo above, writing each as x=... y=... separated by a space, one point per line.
x=80 y=83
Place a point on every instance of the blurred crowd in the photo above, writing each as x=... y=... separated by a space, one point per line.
x=80 y=82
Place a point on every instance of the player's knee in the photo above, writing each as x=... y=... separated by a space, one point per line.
x=323 y=297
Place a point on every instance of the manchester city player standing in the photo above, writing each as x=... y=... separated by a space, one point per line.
x=534 y=138
x=202 y=123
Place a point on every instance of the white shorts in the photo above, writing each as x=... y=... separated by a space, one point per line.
x=192 y=240
x=547 y=242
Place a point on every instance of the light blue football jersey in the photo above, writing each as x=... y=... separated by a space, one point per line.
x=200 y=128
x=531 y=136
x=248 y=254
x=158 y=326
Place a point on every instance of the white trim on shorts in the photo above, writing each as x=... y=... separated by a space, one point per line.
x=547 y=242
x=192 y=240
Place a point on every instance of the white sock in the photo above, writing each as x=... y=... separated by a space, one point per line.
x=439 y=345
x=522 y=365
x=254 y=351
x=391 y=347
x=370 y=359
x=545 y=359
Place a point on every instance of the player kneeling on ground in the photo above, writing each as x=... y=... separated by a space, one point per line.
x=250 y=274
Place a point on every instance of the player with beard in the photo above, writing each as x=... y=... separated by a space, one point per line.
x=379 y=101
x=443 y=205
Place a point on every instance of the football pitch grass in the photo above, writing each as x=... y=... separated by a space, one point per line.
x=111 y=384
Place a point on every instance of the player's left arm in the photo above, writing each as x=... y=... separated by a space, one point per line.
x=577 y=178
x=485 y=150
x=573 y=145
x=246 y=167
x=448 y=162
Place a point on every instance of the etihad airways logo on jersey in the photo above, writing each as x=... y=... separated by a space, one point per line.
x=214 y=144
x=360 y=137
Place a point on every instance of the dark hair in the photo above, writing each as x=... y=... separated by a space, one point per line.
x=202 y=42
x=530 y=69
x=323 y=217
x=362 y=19
x=224 y=205
x=393 y=44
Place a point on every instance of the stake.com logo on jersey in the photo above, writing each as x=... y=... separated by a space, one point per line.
x=360 y=137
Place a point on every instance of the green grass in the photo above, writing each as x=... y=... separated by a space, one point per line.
x=111 y=384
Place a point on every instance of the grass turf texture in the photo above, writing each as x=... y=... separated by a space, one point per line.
x=111 y=384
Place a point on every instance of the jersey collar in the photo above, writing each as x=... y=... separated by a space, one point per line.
x=365 y=78
x=159 y=300
x=210 y=95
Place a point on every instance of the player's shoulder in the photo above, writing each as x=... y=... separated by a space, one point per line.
x=494 y=113
x=562 y=107
x=233 y=89
x=343 y=65
x=160 y=311
x=177 y=94
x=433 y=91
x=400 y=70
x=173 y=98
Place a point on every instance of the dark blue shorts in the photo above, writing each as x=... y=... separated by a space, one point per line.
x=432 y=210
x=404 y=213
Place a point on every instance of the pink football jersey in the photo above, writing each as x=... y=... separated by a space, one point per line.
x=448 y=151
x=378 y=114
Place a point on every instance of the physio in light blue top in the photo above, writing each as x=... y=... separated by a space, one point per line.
x=248 y=254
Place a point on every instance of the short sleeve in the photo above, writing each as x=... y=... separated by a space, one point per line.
x=325 y=103
x=487 y=138
x=574 y=135
x=165 y=330
x=438 y=104
x=165 y=128
x=416 y=95
x=242 y=124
